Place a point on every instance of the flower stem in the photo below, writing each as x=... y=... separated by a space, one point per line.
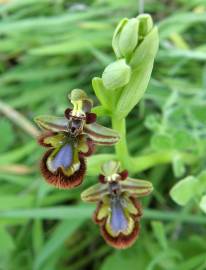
x=121 y=148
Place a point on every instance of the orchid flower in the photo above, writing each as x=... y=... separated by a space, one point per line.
x=118 y=211
x=70 y=139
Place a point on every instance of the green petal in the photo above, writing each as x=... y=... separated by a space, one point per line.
x=56 y=140
x=104 y=209
x=136 y=187
x=95 y=193
x=129 y=206
x=100 y=134
x=52 y=123
x=111 y=167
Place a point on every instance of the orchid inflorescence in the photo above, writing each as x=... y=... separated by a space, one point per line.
x=72 y=138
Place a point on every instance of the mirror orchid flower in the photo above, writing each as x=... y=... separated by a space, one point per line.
x=69 y=140
x=118 y=211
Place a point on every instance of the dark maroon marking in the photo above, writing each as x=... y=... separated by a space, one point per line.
x=123 y=174
x=90 y=118
x=67 y=113
x=102 y=179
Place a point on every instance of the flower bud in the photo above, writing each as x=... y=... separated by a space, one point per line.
x=129 y=34
x=116 y=75
x=146 y=24
x=125 y=37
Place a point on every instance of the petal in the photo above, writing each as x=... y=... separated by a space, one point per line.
x=136 y=187
x=59 y=178
x=110 y=167
x=52 y=123
x=100 y=134
x=102 y=210
x=95 y=193
x=131 y=206
x=86 y=146
x=42 y=138
x=87 y=105
x=52 y=139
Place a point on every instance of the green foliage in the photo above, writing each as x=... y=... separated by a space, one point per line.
x=50 y=47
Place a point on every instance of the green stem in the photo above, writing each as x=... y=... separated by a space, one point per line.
x=144 y=162
x=121 y=147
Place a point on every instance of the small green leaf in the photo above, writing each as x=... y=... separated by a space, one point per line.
x=152 y=122
x=162 y=141
x=183 y=139
x=102 y=93
x=178 y=166
x=184 y=190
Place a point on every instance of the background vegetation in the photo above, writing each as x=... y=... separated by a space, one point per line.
x=49 y=47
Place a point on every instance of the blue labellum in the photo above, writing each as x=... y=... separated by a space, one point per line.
x=118 y=219
x=63 y=158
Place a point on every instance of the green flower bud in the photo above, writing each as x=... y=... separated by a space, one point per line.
x=129 y=34
x=125 y=37
x=116 y=75
x=145 y=25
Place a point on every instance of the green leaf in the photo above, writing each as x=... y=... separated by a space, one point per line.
x=184 y=190
x=202 y=203
x=162 y=141
x=77 y=212
x=152 y=122
x=63 y=231
x=201 y=188
x=123 y=260
x=183 y=139
x=159 y=232
x=6 y=241
x=7 y=137
x=199 y=113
